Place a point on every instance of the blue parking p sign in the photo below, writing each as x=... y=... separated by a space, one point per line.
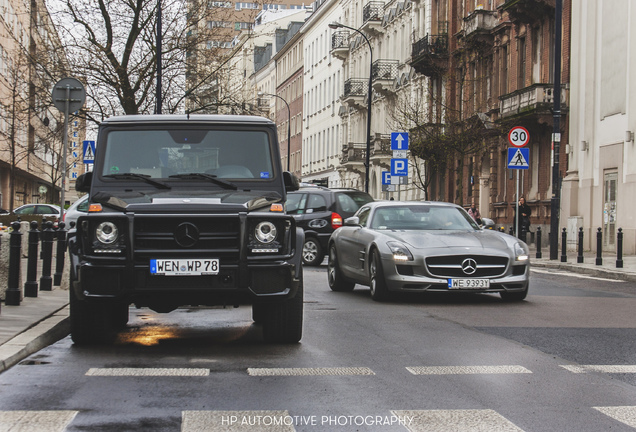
x=386 y=177
x=399 y=167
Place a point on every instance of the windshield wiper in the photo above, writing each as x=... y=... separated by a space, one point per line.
x=214 y=179
x=144 y=177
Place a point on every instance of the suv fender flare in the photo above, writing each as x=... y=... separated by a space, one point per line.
x=298 y=253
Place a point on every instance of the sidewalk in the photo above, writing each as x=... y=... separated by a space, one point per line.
x=43 y=320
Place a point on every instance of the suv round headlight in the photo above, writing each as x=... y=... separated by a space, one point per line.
x=265 y=232
x=107 y=232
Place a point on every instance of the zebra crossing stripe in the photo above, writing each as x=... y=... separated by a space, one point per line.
x=150 y=372
x=466 y=370
x=624 y=414
x=600 y=368
x=309 y=371
x=36 y=421
x=471 y=420
x=236 y=421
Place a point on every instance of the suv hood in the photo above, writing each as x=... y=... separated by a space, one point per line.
x=187 y=201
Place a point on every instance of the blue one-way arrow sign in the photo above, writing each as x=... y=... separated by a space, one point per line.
x=399 y=141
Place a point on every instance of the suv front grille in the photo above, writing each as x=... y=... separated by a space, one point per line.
x=214 y=234
x=451 y=266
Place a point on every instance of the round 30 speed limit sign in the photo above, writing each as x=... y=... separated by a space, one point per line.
x=518 y=136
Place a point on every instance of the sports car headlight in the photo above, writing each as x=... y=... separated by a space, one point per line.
x=399 y=251
x=107 y=233
x=520 y=253
x=265 y=232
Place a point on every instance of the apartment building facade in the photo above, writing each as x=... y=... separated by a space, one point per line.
x=31 y=61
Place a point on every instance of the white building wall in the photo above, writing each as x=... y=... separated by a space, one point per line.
x=603 y=121
x=322 y=84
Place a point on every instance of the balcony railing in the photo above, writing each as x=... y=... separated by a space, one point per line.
x=354 y=152
x=479 y=22
x=372 y=17
x=384 y=69
x=373 y=11
x=383 y=75
x=355 y=87
x=535 y=99
x=340 y=44
x=429 y=55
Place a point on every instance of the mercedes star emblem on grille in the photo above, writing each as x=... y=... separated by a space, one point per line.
x=469 y=266
x=186 y=234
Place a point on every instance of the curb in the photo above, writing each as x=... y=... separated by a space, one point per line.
x=46 y=332
x=600 y=272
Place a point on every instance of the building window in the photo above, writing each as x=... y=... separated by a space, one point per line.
x=522 y=63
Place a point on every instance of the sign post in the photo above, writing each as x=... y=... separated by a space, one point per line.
x=518 y=158
x=69 y=96
x=399 y=168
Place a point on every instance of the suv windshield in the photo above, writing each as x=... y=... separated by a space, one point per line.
x=157 y=153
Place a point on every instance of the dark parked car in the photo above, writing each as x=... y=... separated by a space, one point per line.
x=425 y=246
x=319 y=211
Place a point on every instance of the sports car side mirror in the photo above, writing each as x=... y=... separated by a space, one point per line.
x=487 y=223
x=352 y=221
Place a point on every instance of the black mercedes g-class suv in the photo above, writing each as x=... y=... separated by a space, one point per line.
x=186 y=210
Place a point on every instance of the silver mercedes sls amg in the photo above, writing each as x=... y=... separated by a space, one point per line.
x=419 y=246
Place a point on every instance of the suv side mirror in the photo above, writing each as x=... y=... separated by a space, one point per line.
x=83 y=182
x=291 y=181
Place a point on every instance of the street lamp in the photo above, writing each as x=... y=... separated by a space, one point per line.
x=288 y=124
x=335 y=25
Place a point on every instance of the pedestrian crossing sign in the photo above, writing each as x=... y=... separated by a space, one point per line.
x=89 y=152
x=518 y=158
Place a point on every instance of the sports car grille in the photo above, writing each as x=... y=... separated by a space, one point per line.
x=453 y=266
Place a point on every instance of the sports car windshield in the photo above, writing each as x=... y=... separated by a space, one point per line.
x=421 y=217
x=181 y=154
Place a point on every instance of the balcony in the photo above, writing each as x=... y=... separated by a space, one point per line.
x=536 y=100
x=354 y=152
x=340 y=44
x=479 y=24
x=429 y=55
x=372 y=17
x=381 y=145
x=355 y=92
x=383 y=75
x=529 y=11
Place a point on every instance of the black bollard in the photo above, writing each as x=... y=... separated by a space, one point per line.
x=599 y=247
x=539 y=242
x=579 y=257
x=13 y=295
x=511 y=231
x=59 y=260
x=46 y=282
x=564 y=245
x=522 y=234
x=619 y=248
x=31 y=284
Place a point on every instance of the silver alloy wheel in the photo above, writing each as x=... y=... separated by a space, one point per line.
x=373 y=273
x=309 y=250
x=331 y=265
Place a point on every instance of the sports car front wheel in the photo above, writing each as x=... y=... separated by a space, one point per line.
x=377 y=283
x=337 y=282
